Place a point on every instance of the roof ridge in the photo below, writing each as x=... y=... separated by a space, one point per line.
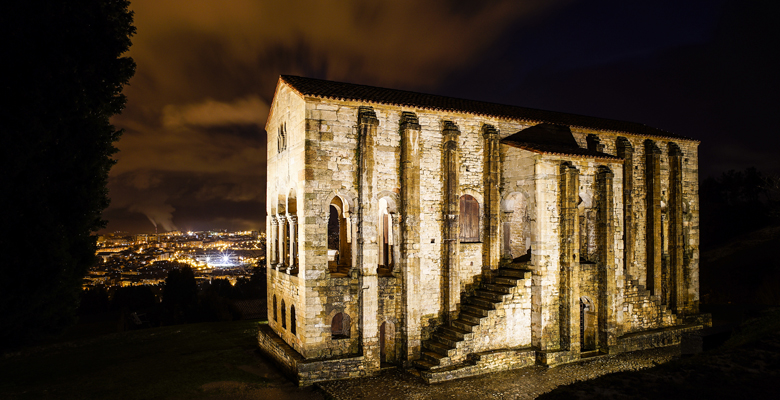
x=359 y=92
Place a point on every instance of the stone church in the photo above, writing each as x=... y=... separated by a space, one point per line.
x=460 y=237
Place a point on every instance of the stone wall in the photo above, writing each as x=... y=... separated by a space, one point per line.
x=623 y=234
x=285 y=188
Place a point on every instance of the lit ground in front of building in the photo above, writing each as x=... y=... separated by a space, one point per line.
x=524 y=383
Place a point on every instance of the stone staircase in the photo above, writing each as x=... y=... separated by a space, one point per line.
x=638 y=299
x=452 y=343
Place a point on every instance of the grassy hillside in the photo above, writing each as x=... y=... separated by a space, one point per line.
x=175 y=362
x=746 y=270
x=746 y=366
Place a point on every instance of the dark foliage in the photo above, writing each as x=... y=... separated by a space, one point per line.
x=739 y=215
x=93 y=301
x=133 y=298
x=735 y=203
x=223 y=288
x=63 y=81
x=180 y=296
x=255 y=287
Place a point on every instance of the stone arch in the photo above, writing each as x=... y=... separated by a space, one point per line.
x=391 y=198
x=292 y=201
x=473 y=193
x=347 y=199
x=340 y=326
x=281 y=204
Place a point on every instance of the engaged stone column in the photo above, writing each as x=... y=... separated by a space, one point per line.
x=626 y=151
x=491 y=171
x=676 y=245
x=653 y=224
x=450 y=170
x=409 y=262
x=607 y=287
x=568 y=280
x=282 y=241
x=366 y=235
x=293 y=261
x=271 y=244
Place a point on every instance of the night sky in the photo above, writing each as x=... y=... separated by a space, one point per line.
x=193 y=153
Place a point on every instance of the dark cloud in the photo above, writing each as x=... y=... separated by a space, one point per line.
x=193 y=155
x=207 y=71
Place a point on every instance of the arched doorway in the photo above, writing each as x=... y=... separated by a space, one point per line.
x=588 y=325
x=387 y=342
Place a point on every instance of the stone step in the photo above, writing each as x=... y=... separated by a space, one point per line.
x=447 y=340
x=439 y=348
x=476 y=309
x=443 y=345
x=425 y=365
x=518 y=273
x=466 y=316
x=490 y=295
x=522 y=266
x=507 y=280
x=455 y=332
x=497 y=287
x=463 y=325
x=481 y=302
x=433 y=358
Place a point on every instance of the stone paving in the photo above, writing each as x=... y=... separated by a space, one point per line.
x=524 y=383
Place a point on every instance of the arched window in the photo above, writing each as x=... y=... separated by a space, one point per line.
x=469 y=219
x=276 y=316
x=292 y=319
x=281 y=138
x=284 y=316
x=339 y=249
x=339 y=326
x=385 y=228
x=292 y=232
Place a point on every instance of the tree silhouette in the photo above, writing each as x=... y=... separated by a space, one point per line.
x=63 y=81
x=180 y=295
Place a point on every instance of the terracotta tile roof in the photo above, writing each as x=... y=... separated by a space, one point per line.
x=353 y=92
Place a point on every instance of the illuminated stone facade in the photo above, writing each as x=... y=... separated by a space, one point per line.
x=462 y=237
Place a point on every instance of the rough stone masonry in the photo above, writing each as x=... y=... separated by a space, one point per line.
x=461 y=237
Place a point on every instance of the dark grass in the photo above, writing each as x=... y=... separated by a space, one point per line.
x=169 y=362
x=745 y=366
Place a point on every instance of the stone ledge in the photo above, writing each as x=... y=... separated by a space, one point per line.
x=306 y=372
x=556 y=357
x=705 y=320
x=662 y=337
x=482 y=363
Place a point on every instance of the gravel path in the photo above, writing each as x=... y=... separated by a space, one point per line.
x=525 y=383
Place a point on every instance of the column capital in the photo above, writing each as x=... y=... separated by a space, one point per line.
x=489 y=132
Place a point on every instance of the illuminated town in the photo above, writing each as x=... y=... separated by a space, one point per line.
x=145 y=259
